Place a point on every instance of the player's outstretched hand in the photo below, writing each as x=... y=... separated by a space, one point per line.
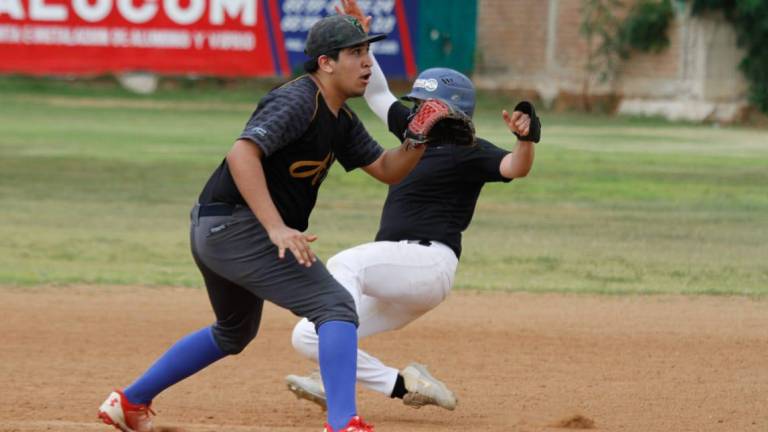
x=351 y=8
x=523 y=122
x=518 y=123
x=295 y=241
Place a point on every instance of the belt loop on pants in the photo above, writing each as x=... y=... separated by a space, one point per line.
x=194 y=215
x=421 y=242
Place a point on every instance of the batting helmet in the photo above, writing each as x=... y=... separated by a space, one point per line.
x=445 y=84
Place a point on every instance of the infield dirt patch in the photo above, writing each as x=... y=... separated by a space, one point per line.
x=517 y=362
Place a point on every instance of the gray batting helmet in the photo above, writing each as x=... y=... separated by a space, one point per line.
x=445 y=84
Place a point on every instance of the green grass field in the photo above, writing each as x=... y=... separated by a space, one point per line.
x=96 y=185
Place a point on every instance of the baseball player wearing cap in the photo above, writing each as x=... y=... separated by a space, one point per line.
x=256 y=205
x=410 y=267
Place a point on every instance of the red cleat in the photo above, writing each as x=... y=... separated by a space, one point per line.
x=119 y=412
x=355 y=425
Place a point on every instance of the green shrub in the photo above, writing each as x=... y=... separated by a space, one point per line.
x=645 y=28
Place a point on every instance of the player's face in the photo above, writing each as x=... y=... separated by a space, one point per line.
x=353 y=70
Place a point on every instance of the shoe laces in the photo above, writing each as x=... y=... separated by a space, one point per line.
x=358 y=425
x=141 y=408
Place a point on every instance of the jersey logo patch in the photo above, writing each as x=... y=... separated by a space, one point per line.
x=315 y=169
x=258 y=130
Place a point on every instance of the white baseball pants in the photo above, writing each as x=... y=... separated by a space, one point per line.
x=393 y=283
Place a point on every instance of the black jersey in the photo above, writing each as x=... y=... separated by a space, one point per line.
x=437 y=199
x=300 y=138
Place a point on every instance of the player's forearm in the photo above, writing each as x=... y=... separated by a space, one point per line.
x=394 y=164
x=398 y=162
x=244 y=162
x=518 y=163
x=377 y=93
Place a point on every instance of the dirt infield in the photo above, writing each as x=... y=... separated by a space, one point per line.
x=517 y=362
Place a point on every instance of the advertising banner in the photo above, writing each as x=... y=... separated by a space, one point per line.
x=396 y=18
x=213 y=37
x=205 y=37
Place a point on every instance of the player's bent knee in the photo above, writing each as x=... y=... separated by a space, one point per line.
x=232 y=341
x=336 y=304
x=338 y=312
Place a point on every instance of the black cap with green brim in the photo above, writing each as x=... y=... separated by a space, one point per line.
x=337 y=32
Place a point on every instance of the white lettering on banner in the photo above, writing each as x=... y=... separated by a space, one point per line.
x=316 y=6
x=294 y=44
x=386 y=47
x=383 y=7
x=199 y=38
x=119 y=37
x=301 y=15
x=182 y=12
x=122 y=37
x=232 y=41
x=137 y=15
x=12 y=8
x=58 y=35
x=40 y=11
x=383 y=24
x=245 y=8
x=183 y=16
x=160 y=38
x=92 y=13
x=298 y=23
x=312 y=7
x=293 y=6
x=10 y=34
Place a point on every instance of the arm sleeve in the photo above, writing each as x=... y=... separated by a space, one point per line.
x=481 y=162
x=282 y=117
x=377 y=93
x=397 y=120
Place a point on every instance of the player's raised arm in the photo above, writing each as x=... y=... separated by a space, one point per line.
x=377 y=94
x=524 y=123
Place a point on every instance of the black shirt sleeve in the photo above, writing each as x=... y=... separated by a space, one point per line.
x=360 y=149
x=480 y=162
x=397 y=119
x=282 y=116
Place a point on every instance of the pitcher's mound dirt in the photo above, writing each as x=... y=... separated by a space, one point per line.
x=515 y=361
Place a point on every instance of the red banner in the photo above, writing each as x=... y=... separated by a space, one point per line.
x=212 y=37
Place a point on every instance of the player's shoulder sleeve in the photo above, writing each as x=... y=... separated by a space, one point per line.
x=359 y=149
x=283 y=115
x=480 y=162
x=397 y=119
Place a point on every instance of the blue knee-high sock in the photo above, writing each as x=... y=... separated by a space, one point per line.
x=338 y=366
x=190 y=354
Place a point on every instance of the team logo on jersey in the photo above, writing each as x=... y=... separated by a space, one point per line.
x=315 y=169
x=429 y=84
x=258 y=130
